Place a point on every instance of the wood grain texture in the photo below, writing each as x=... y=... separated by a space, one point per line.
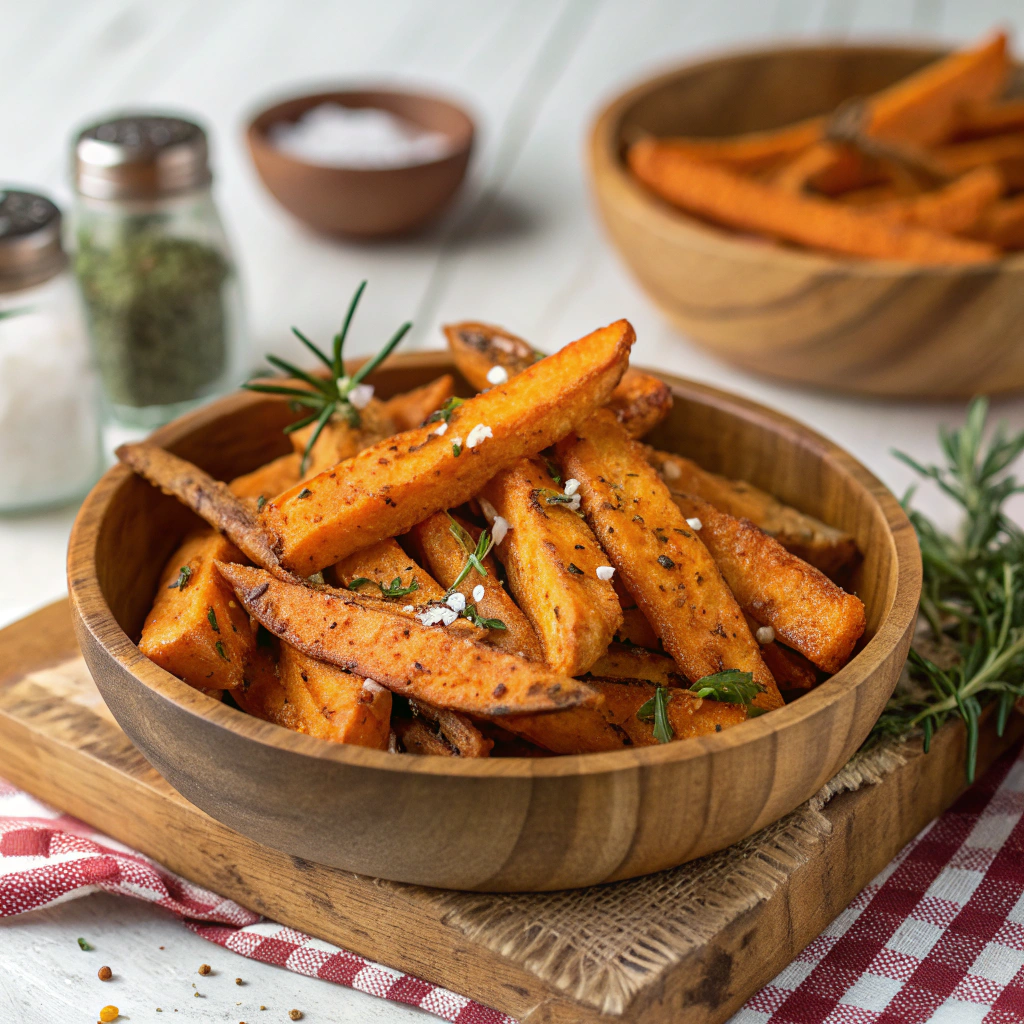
x=862 y=326
x=58 y=741
x=492 y=824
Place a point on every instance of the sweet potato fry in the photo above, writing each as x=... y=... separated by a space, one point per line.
x=634 y=664
x=374 y=640
x=748 y=205
x=828 y=549
x=1004 y=153
x=196 y=629
x=635 y=628
x=411 y=408
x=457 y=731
x=613 y=725
x=981 y=120
x=208 y=498
x=662 y=561
x=806 y=610
x=388 y=488
x=551 y=558
x=331 y=704
x=421 y=738
x=339 y=440
x=954 y=208
x=641 y=401
x=1002 y=224
x=269 y=480
x=792 y=671
x=445 y=556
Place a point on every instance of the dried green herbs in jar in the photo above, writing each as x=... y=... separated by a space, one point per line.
x=156 y=315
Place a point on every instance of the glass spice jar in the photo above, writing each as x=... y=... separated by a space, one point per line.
x=49 y=406
x=155 y=270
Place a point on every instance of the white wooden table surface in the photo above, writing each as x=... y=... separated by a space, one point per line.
x=522 y=249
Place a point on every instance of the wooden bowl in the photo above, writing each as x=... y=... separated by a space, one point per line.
x=364 y=202
x=864 y=326
x=501 y=824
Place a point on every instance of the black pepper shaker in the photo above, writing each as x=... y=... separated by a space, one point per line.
x=155 y=270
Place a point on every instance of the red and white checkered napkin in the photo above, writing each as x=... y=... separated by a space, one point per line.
x=937 y=937
x=47 y=858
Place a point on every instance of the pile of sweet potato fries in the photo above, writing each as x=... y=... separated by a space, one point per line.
x=513 y=573
x=930 y=170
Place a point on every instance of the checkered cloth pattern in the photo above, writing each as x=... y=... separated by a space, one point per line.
x=48 y=858
x=936 y=938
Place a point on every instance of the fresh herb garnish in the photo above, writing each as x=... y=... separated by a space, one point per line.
x=260 y=502
x=184 y=575
x=553 y=471
x=219 y=648
x=211 y=616
x=471 y=613
x=475 y=554
x=731 y=686
x=556 y=498
x=456 y=450
x=6 y=314
x=575 y=569
x=393 y=589
x=329 y=396
x=82 y=944
x=305 y=493
x=444 y=414
x=972 y=654
x=656 y=710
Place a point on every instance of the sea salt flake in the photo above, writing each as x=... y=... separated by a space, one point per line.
x=694 y=524
x=498 y=529
x=456 y=601
x=478 y=592
x=372 y=686
x=572 y=485
x=670 y=470
x=360 y=395
x=605 y=572
x=497 y=375
x=489 y=511
x=437 y=614
x=479 y=433
x=441 y=430
x=408 y=608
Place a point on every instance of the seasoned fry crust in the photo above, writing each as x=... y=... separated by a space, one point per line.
x=792 y=670
x=411 y=408
x=388 y=488
x=828 y=549
x=373 y=639
x=640 y=401
x=637 y=665
x=383 y=563
x=457 y=731
x=551 y=558
x=662 y=561
x=613 y=725
x=804 y=607
x=331 y=704
x=208 y=498
x=199 y=632
x=269 y=480
x=444 y=555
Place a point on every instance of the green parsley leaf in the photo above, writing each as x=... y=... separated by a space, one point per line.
x=730 y=686
x=456 y=450
x=260 y=502
x=656 y=710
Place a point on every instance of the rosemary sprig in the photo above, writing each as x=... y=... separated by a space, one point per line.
x=330 y=396
x=475 y=554
x=477 y=619
x=393 y=589
x=971 y=654
x=444 y=414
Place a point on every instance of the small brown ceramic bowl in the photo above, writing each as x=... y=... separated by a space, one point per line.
x=865 y=326
x=357 y=202
x=497 y=824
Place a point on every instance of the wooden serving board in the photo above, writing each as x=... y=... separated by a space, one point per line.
x=782 y=886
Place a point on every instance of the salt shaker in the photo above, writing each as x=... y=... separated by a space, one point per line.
x=155 y=270
x=49 y=415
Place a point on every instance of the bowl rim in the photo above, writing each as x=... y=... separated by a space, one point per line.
x=93 y=614
x=664 y=219
x=266 y=113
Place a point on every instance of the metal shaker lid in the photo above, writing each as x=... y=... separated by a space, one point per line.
x=30 y=240
x=141 y=156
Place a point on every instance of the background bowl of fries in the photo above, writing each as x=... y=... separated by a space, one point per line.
x=508 y=823
x=711 y=218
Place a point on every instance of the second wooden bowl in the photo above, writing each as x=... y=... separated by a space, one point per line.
x=864 y=326
x=502 y=824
